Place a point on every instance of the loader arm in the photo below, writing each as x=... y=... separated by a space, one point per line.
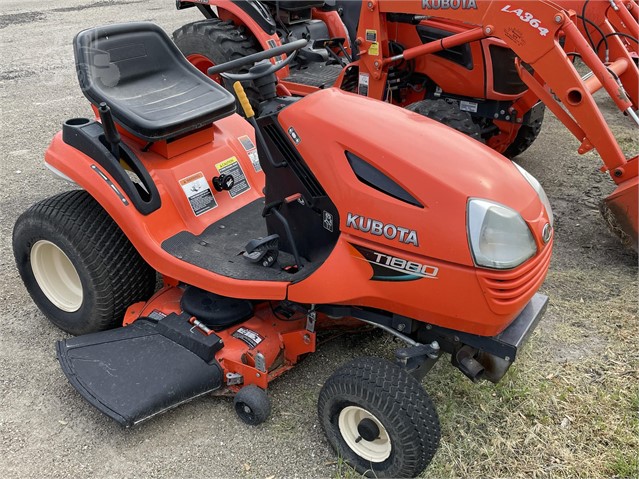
x=533 y=31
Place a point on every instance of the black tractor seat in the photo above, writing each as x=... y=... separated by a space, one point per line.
x=152 y=90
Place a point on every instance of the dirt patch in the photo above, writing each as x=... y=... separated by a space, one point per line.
x=21 y=18
x=16 y=74
x=100 y=4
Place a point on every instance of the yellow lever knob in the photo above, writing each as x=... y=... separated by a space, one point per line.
x=244 y=101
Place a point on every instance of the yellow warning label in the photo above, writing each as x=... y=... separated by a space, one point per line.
x=232 y=167
x=226 y=163
x=371 y=35
x=373 y=50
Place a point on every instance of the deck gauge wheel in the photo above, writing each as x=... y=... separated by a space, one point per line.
x=252 y=405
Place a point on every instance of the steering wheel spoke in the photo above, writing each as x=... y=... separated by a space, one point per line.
x=263 y=68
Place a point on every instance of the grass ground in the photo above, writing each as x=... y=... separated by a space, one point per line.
x=568 y=408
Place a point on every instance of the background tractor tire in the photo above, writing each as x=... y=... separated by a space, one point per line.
x=77 y=265
x=379 y=419
x=211 y=42
x=526 y=136
x=448 y=114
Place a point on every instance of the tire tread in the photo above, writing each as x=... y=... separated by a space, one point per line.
x=120 y=276
x=396 y=394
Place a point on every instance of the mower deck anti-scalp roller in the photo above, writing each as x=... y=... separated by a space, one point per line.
x=328 y=212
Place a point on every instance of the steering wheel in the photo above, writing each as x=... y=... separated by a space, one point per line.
x=260 y=69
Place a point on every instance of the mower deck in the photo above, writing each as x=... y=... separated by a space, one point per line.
x=220 y=246
x=135 y=372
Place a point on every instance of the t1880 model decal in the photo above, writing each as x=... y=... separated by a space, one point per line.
x=391 y=268
x=377 y=228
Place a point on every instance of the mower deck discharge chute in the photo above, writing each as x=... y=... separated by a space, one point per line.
x=131 y=374
x=329 y=212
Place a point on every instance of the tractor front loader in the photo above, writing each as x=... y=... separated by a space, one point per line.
x=530 y=45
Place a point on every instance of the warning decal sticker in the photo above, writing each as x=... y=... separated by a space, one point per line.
x=362 y=87
x=252 y=152
x=157 y=315
x=371 y=36
x=468 y=106
x=249 y=336
x=198 y=193
x=232 y=167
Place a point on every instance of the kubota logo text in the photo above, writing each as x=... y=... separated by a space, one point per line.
x=449 y=4
x=377 y=228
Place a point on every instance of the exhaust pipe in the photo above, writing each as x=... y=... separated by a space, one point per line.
x=465 y=361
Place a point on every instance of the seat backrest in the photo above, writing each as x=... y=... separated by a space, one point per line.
x=153 y=91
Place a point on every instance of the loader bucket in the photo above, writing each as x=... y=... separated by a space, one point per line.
x=620 y=210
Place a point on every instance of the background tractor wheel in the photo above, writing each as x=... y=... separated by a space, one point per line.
x=211 y=42
x=526 y=136
x=379 y=419
x=77 y=265
x=252 y=405
x=448 y=114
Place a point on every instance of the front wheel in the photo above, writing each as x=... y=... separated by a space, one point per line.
x=448 y=114
x=77 y=265
x=379 y=419
x=526 y=136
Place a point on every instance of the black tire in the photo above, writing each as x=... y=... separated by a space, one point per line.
x=220 y=42
x=252 y=405
x=111 y=272
x=526 y=136
x=448 y=114
x=410 y=431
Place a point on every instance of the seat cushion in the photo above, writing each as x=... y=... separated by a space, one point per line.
x=152 y=90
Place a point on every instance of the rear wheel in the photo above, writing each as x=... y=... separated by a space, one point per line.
x=77 y=265
x=379 y=419
x=212 y=42
x=448 y=114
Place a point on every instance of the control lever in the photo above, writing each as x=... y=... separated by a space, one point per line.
x=111 y=134
x=250 y=116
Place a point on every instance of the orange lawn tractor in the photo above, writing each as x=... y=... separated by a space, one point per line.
x=269 y=231
x=486 y=68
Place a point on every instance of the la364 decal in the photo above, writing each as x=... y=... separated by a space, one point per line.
x=528 y=18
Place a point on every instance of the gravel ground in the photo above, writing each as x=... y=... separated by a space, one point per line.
x=591 y=325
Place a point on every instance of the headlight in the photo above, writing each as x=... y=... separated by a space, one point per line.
x=540 y=191
x=499 y=237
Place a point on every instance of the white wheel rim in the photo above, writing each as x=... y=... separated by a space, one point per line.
x=56 y=276
x=377 y=450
